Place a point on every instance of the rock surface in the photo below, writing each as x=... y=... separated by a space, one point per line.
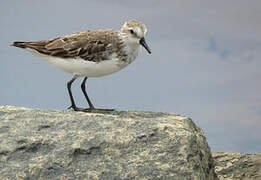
x=230 y=166
x=38 y=144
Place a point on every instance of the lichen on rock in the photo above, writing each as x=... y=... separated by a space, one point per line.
x=49 y=144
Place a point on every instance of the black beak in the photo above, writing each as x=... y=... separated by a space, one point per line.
x=145 y=45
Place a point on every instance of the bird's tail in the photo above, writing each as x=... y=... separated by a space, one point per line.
x=19 y=44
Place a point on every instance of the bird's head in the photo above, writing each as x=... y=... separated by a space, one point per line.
x=135 y=32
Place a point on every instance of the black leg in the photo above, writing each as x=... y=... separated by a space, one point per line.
x=73 y=106
x=91 y=107
x=85 y=93
x=69 y=84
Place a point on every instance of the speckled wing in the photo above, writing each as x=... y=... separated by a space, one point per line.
x=94 y=45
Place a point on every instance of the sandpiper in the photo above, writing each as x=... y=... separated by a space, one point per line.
x=93 y=53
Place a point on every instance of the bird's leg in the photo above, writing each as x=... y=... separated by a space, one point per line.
x=69 y=84
x=85 y=94
x=91 y=107
x=73 y=106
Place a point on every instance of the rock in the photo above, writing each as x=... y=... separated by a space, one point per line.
x=38 y=144
x=237 y=165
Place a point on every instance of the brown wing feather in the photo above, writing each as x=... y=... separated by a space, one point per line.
x=90 y=45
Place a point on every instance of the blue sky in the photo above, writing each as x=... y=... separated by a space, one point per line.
x=205 y=62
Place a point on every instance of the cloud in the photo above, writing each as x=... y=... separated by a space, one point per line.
x=215 y=48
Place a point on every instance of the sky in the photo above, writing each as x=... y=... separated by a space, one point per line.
x=205 y=62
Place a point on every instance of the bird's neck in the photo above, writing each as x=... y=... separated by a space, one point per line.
x=131 y=48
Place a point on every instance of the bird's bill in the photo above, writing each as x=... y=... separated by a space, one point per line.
x=145 y=45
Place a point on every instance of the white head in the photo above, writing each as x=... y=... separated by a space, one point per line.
x=135 y=32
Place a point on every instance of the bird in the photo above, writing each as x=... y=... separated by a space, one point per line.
x=91 y=53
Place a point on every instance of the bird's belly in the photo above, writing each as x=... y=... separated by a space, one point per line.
x=94 y=69
x=85 y=68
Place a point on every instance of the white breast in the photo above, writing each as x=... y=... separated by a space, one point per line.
x=85 y=68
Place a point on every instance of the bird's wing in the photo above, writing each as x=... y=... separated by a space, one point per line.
x=94 y=45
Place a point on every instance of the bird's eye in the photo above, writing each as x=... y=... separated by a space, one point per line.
x=131 y=31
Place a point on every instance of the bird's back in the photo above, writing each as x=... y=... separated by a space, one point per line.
x=95 y=45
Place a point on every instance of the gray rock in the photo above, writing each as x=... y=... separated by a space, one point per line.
x=232 y=166
x=38 y=144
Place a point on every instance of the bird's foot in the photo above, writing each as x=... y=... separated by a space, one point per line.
x=92 y=109
x=102 y=110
